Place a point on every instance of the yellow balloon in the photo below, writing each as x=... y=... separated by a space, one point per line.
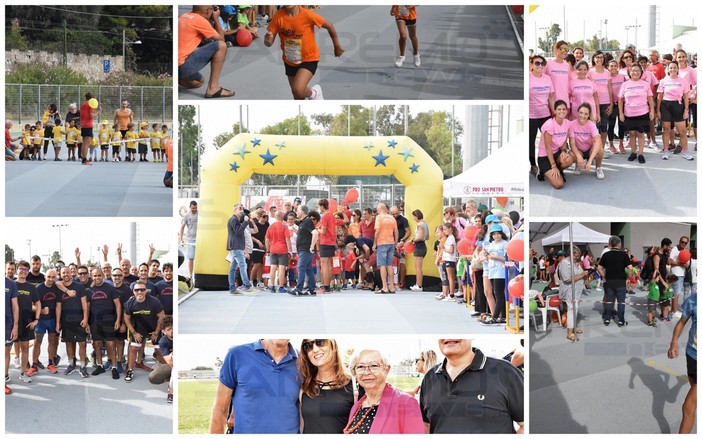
x=93 y=103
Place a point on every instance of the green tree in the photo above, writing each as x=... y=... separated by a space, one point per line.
x=190 y=145
x=325 y=120
x=432 y=131
x=290 y=127
x=9 y=253
x=222 y=138
x=360 y=122
x=551 y=38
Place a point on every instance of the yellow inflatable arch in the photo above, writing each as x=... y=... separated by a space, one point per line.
x=246 y=154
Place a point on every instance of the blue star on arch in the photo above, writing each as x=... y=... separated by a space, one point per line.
x=256 y=142
x=406 y=153
x=242 y=151
x=392 y=143
x=268 y=157
x=380 y=158
x=414 y=168
x=368 y=146
x=234 y=167
x=280 y=145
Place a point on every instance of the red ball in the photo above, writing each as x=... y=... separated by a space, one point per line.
x=409 y=247
x=684 y=256
x=352 y=195
x=243 y=37
x=471 y=232
x=333 y=205
x=515 y=250
x=516 y=288
x=554 y=301
x=465 y=247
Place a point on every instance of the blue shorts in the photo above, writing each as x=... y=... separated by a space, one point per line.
x=46 y=325
x=385 y=253
x=678 y=286
x=190 y=69
x=191 y=249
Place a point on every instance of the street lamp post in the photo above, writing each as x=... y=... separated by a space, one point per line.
x=124 y=48
x=59 y=233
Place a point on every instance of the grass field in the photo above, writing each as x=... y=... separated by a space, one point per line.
x=195 y=399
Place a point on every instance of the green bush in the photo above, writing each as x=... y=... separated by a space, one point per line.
x=38 y=73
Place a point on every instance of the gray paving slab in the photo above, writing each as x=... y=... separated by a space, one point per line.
x=348 y=312
x=70 y=404
x=105 y=189
x=629 y=190
x=614 y=380
x=468 y=52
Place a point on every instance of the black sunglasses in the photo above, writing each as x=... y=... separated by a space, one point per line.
x=139 y=289
x=539 y=63
x=82 y=273
x=307 y=345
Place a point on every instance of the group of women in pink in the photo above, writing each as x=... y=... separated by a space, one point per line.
x=576 y=104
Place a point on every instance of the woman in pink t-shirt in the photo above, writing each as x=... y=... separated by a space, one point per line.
x=626 y=60
x=553 y=142
x=636 y=109
x=688 y=73
x=601 y=77
x=616 y=79
x=673 y=108
x=559 y=71
x=588 y=143
x=583 y=90
x=541 y=99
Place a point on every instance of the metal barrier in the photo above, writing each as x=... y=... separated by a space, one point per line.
x=369 y=194
x=26 y=103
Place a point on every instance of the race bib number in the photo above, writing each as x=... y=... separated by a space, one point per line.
x=293 y=50
x=404 y=11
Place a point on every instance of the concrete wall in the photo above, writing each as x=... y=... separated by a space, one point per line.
x=89 y=65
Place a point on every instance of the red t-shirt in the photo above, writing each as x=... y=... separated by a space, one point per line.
x=276 y=235
x=86 y=115
x=8 y=142
x=367 y=230
x=348 y=262
x=336 y=264
x=329 y=236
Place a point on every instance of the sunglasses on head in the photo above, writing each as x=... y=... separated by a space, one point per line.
x=308 y=344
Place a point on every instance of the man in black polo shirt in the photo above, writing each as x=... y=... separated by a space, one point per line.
x=164 y=289
x=35 y=276
x=154 y=266
x=471 y=393
x=28 y=300
x=143 y=277
x=125 y=293
x=614 y=268
x=105 y=320
x=141 y=315
x=72 y=320
x=48 y=294
x=306 y=240
x=126 y=267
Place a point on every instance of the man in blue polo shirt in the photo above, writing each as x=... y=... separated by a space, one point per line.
x=471 y=393
x=261 y=381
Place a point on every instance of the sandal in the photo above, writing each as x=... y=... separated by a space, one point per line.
x=571 y=337
x=578 y=331
x=218 y=94
x=613 y=150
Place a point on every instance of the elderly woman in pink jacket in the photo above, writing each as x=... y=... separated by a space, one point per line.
x=383 y=409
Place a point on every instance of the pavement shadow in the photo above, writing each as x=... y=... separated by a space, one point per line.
x=657 y=382
x=552 y=415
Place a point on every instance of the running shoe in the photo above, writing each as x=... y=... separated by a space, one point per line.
x=107 y=365
x=235 y=293
x=652 y=323
x=98 y=370
x=51 y=368
x=678 y=149
x=129 y=376
x=144 y=367
x=32 y=370
x=687 y=156
x=620 y=324
x=642 y=160
x=576 y=171
x=169 y=398
x=84 y=371
x=283 y=290
x=24 y=377
x=120 y=368
x=70 y=369
x=416 y=288
x=666 y=155
x=632 y=157
x=317 y=93
x=417 y=61
x=534 y=170
x=7 y=390
x=115 y=374
x=399 y=60
x=40 y=365
x=271 y=289
x=600 y=173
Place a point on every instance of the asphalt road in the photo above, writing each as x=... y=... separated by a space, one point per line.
x=467 y=52
x=69 y=189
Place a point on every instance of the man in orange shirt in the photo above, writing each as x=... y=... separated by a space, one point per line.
x=295 y=25
x=168 y=177
x=193 y=28
x=386 y=236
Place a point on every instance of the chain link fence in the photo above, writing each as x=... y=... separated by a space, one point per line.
x=26 y=103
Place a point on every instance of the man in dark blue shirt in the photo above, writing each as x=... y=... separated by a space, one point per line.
x=72 y=319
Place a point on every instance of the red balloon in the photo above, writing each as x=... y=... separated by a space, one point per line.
x=465 y=247
x=684 y=256
x=352 y=195
x=471 y=232
x=554 y=301
x=516 y=288
x=409 y=247
x=243 y=37
x=333 y=205
x=515 y=250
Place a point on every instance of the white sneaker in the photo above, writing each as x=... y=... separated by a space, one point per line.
x=686 y=155
x=417 y=60
x=317 y=93
x=24 y=377
x=677 y=314
x=600 y=173
x=399 y=60
x=576 y=171
x=665 y=155
x=416 y=288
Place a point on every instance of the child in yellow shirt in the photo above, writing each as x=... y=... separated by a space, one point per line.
x=116 y=143
x=37 y=140
x=72 y=134
x=155 y=137
x=104 y=134
x=131 y=139
x=143 y=142
x=164 y=139
x=27 y=134
x=57 y=136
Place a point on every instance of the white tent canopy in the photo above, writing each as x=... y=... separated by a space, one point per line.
x=581 y=234
x=501 y=174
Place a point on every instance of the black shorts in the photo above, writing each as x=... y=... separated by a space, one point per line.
x=603 y=124
x=450 y=264
x=545 y=164
x=24 y=333
x=420 y=249
x=326 y=251
x=349 y=275
x=115 y=149
x=407 y=22
x=121 y=336
x=71 y=145
x=86 y=132
x=279 y=259
x=142 y=148
x=691 y=368
x=693 y=114
x=292 y=70
x=672 y=111
x=104 y=147
x=257 y=257
x=72 y=332
x=103 y=330
x=637 y=123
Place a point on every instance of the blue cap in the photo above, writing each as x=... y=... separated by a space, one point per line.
x=229 y=10
x=491 y=219
x=495 y=228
